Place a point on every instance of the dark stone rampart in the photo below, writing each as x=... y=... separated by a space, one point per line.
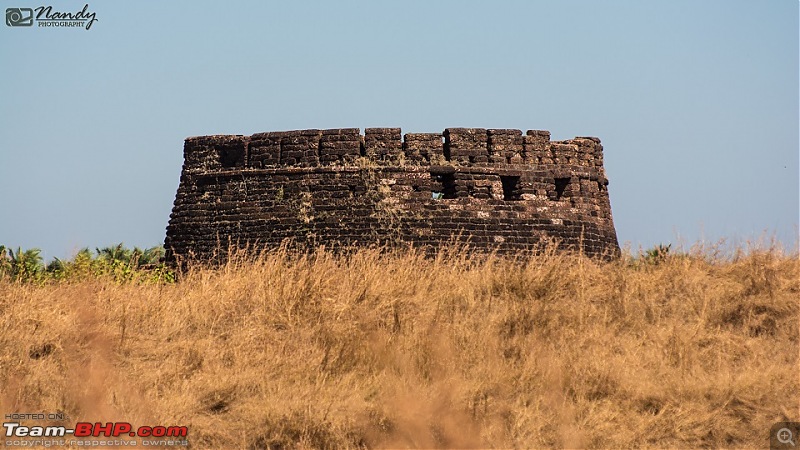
x=496 y=189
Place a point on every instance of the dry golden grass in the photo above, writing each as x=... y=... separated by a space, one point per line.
x=399 y=351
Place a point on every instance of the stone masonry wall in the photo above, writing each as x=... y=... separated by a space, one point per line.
x=495 y=189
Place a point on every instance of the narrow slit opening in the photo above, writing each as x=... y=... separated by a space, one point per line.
x=444 y=186
x=511 y=188
x=561 y=187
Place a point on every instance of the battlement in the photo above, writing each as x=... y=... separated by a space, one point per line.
x=465 y=147
x=497 y=189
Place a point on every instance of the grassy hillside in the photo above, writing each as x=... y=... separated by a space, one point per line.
x=397 y=350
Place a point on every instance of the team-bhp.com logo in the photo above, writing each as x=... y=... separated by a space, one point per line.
x=49 y=435
x=46 y=16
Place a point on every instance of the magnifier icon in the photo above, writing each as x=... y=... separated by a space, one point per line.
x=785 y=436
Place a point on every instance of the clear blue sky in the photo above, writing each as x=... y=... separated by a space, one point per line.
x=696 y=102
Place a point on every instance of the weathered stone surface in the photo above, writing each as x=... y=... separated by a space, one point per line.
x=497 y=189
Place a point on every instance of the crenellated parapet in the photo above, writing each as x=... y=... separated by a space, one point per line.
x=499 y=189
x=477 y=147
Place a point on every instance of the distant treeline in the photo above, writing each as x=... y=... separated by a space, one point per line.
x=118 y=262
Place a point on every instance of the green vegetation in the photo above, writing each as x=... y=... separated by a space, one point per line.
x=116 y=262
x=657 y=254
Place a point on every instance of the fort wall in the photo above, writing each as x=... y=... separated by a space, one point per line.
x=496 y=189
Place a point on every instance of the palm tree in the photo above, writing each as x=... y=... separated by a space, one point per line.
x=25 y=265
x=153 y=255
x=117 y=253
x=5 y=262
